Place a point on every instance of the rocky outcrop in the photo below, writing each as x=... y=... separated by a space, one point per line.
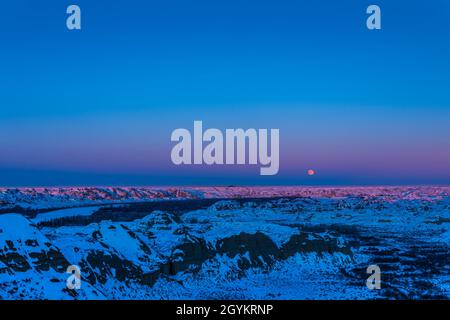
x=132 y=251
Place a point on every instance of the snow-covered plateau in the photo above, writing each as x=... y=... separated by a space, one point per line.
x=225 y=242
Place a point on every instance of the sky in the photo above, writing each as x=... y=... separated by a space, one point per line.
x=97 y=106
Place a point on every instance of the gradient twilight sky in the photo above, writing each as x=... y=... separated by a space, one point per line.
x=97 y=106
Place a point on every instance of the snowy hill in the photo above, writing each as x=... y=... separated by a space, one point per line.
x=60 y=197
x=269 y=246
x=30 y=266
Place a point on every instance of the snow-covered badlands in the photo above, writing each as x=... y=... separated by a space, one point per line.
x=225 y=242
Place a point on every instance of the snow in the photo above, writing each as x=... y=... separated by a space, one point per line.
x=53 y=197
x=122 y=242
x=16 y=228
x=344 y=230
x=300 y=277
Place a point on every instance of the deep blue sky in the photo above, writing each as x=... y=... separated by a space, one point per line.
x=97 y=106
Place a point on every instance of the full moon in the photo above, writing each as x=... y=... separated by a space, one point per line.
x=311 y=172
